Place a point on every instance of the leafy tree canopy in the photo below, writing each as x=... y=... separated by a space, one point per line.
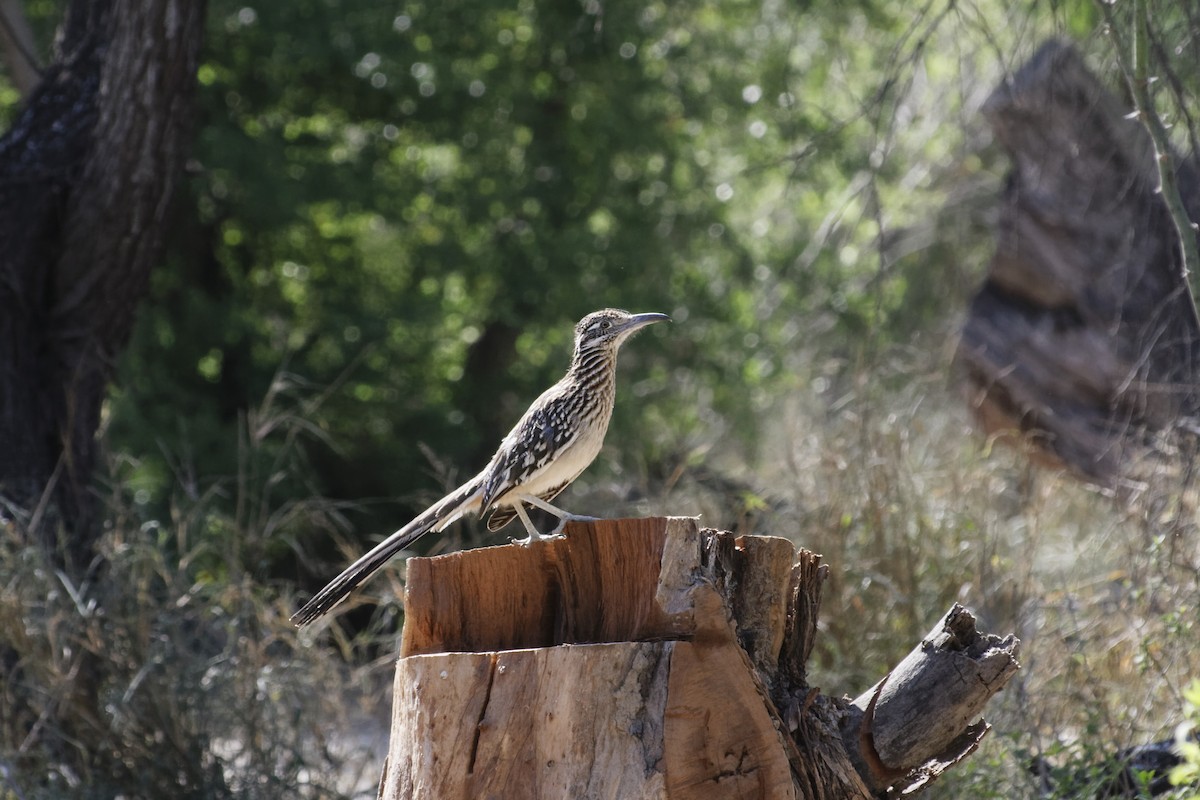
x=397 y=213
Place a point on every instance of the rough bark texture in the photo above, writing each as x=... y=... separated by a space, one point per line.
x=649 y=659
x=922 y=711
x=1084 y=339
x=86 y=174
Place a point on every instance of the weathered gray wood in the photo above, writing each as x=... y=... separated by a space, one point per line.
x=919 y=717
x=1083 y=339
x=755 y=574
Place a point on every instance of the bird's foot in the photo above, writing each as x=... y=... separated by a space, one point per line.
x=557 y=533
x=544 y=537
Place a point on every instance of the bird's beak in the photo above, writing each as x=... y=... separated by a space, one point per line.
x=639 y=321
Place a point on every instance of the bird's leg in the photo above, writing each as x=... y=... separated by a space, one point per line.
x=534 y=535
x=563 y=516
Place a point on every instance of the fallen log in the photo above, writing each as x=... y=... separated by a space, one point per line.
x=650 y=658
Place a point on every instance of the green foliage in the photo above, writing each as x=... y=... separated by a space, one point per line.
x=1187 y=740
x=393 y=217
x=413 y=207
x=420 y=223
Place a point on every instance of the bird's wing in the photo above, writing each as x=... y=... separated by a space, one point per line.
x=543 y=432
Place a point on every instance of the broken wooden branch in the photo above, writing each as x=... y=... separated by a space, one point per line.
x=921 y=718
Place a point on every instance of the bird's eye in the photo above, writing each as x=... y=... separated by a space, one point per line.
x=605 y=324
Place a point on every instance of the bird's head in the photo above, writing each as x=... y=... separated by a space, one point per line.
x=608 y=328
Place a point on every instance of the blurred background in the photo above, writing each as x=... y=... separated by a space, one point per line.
x=393 y=215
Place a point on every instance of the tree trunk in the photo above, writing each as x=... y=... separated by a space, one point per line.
x=1083 y=340
x=86 y=175
x=651 y=659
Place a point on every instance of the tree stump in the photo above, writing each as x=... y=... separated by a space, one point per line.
x=648 y=658
x=1083 y=340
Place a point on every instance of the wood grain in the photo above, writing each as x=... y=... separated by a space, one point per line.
x=653 y=659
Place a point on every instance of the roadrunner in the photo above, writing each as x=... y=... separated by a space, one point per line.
x=549 y=447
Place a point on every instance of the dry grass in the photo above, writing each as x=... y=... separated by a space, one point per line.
x=912 y=511
x=879 y=469
x=174 y=672
x=204 y=689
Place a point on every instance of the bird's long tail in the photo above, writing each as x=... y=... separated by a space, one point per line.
x=462 y=500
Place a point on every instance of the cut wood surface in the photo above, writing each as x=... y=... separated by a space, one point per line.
x=596 y=588
x=631 y=659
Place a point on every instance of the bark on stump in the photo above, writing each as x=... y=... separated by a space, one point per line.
x=648 y=658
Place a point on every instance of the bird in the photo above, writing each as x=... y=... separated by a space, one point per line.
x=556 y=440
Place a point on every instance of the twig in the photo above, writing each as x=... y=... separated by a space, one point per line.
x=1137 y=77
